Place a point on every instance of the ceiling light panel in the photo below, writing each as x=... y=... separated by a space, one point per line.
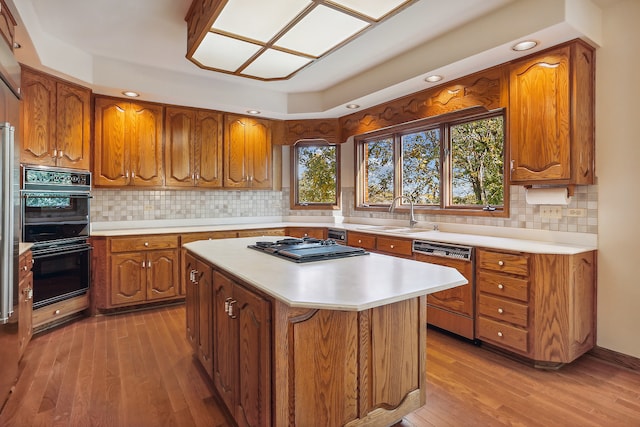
x=224 y=53
x=258 y=19
x=274 y=63
x=374 y=9
x=320 y=31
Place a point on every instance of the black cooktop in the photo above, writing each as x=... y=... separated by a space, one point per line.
x=307 y=249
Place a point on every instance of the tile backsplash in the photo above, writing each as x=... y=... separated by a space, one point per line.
x=141 y=205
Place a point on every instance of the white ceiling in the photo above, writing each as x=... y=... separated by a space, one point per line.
x=115 y=45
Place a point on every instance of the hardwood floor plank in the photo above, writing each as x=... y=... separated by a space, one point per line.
x=137 y=370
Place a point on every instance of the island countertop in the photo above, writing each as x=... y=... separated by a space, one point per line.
x=350 y=284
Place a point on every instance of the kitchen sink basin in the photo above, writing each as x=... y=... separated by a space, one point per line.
x=407 y=230
x=388 y=228
x=391 y=229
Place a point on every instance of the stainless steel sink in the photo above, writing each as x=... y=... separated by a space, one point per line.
x=391 y=229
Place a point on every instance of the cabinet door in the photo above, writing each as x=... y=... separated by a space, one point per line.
x=204 y=279
x=208 y=154
x=191 y=299
x=252 y=316
x=225 y=345
x=236 y=168
x=111 y=150
x=179 y=147
x=25 y=325
x=145 y=133
x=128 y=278
x=458 y=299
x=73 y=126
x=38 y=119
x=162 y=274
x=539 y=136
x=259 y=153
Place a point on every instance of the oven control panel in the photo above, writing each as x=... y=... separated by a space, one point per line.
x=58 y=179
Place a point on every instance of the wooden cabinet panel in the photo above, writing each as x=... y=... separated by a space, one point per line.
x=128 y=278
x=503 y=334
x=208 y=149
x=551 y=119
x=301 y=232
x=458 y=299
x=191 y=300
x=361 y=240
x=204 y=341
x=247 y=152
x=225 y=348
x=503 y=310
x=503 y=286
x=179 y=146
x=207 y=235
x=25 y=295
x=262 y=232
x=73 y=126
x=162 y=275
x=128 y=143
x=394 y=246
x=511 y=263
x=55 y=121
x=143 y=243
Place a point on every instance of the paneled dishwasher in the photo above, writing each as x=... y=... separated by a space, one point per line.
x=454 y=309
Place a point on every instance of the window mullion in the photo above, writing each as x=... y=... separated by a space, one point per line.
x=446 y=162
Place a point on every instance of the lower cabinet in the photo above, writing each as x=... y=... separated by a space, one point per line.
x=139 y=270
x=199 y=308
x=25 y=294
x=242 y=351
x=540 y=306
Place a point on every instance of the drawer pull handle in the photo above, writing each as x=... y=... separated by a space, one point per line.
x=500 y=311
x=500 y=334
x=25 y=268
x=500 y=286
x=56 y=312
x=500 y=263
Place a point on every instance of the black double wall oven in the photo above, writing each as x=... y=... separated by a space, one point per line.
x=55 y=218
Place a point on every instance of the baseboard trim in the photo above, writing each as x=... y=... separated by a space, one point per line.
x=616 y=358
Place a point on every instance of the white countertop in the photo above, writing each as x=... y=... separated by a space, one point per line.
x=24 y=247
x=469 y=239
x=352 y=284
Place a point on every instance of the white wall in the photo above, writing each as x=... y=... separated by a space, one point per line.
x=618 y=174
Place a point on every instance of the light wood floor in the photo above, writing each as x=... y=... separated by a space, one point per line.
x=136 y=370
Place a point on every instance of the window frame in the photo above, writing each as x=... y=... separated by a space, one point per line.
x=294 y=202
x=443 y=122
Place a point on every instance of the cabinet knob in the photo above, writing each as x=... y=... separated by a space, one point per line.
x=146 y=244
x=500 y=286
x=391 y=246
x=56 y=312
x=55 y=153
x=25 y=268
x=500 y=311
x=500 y=263
x=359 y=241
x=500 y=334
x=144 y=265
x=60 y=154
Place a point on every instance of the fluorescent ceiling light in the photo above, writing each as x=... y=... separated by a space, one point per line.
x=274 y=39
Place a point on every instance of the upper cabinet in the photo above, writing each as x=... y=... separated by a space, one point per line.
x=551 y=117
x=193 y=148
x=56 y=129
x=128 y=143
x=247 y=152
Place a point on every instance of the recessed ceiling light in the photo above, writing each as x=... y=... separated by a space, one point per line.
x=352 y=106
x=433 y=78
x=524 y=45
x=131 y=94
x=254 y=112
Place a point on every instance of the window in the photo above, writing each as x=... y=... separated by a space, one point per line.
x=455 y=164
x=315 y=175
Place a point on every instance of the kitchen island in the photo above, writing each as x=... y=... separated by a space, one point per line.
x=336 y=342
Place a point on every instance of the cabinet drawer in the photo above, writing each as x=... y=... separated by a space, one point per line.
x=502 y=334
x=503 y=285
x=262 y=232
x=360 y=240
x=59 y=310
x=503 y=262
x=207 y=235
x=26 y=261
x=134 y=244
x=503 y=310
x=394 y=246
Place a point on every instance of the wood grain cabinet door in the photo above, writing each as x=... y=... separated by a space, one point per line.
x=259 y=153
x=128 y=278
x=111 y=143
x=208 y=149
x=236 y=168
x=179 y=147
x=73 y=126
x=539 y=131
x=204 y=279
x=247 y=153
x=162 y=274
x=225 y=348
x=191 y=298
x=38 y=119
x=145 y=133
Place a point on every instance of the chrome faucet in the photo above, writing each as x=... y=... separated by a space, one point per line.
x=412 y=219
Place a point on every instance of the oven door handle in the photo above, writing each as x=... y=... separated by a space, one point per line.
x=47 y=252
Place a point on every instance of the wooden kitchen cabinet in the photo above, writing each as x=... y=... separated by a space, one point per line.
x=128 y=143
x=551 y=117
x=199 y=308
x=25 y=293
x=193 y=148
x=301 y=232
x=386 y=244
x=142 y=269
x=247 y=152
x=242 y=351
x=541 y=306
x=56 y=122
